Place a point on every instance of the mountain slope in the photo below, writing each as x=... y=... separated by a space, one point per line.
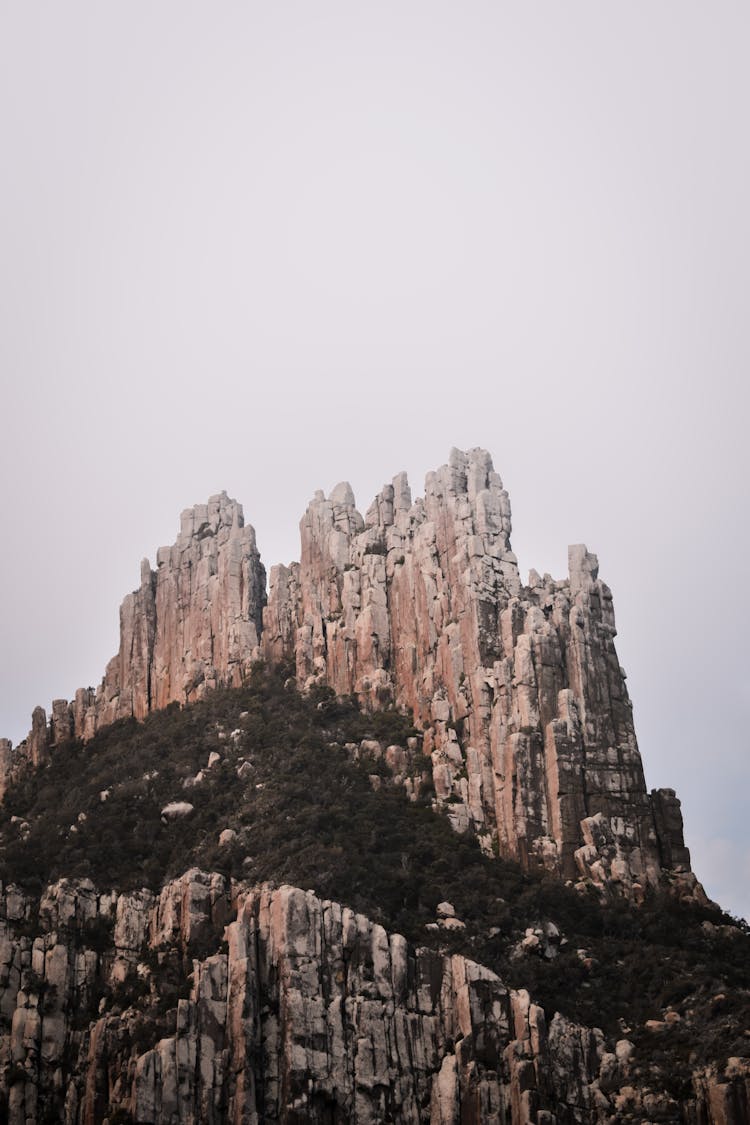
x=517 y=688
x=376 y=847
x=304 y=784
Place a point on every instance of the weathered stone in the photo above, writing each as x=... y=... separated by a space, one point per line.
x=308 y=1012
x=176 y=809
x=522 y=700
x=193 y=624
x=527 y=725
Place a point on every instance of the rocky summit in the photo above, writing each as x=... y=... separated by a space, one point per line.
x=478 y=876
x=517 y=688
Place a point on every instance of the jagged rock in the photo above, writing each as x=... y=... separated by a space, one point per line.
x=451 y=924
x=518 y=688
x=313 y=1013
x=544 y=941
x=8 y=762
x=527 y=725
x=193 y=624
x=309 y=1013
x=723 y=1095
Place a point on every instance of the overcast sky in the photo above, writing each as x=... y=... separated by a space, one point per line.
x=266 y=247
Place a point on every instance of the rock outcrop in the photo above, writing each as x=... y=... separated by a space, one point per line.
x=193 y=624
x=526 y=717
x=307 y=1012
x=517 y=687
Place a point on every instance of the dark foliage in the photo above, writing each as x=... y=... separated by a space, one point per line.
x=305 y=813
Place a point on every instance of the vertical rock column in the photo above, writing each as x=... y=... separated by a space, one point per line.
x=406 y=605
x=209 y=592
x=518 y=689
x=193 y=624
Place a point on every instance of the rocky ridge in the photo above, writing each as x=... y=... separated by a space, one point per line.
x=304 y=1012
x=526 y=717
x=193 y=624
x=518 y=687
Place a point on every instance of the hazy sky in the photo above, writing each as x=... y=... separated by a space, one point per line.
x=265 y=247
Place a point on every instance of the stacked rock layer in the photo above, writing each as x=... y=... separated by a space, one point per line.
x=518 y=689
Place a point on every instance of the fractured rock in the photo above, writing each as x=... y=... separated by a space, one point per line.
x=518 y=689
x=527 y=727
x=193 y=624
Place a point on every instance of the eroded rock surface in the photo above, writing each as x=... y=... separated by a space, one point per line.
x=193 y=624
x=528 y=728
x=518 y=687
x=307 y=1012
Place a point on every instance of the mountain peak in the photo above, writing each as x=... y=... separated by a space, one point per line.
x=526 y=717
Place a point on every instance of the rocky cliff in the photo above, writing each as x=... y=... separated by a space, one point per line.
x=193 y=624
x=526 y=717
x=419 y=980
x=305 y=1012
x=518 y=687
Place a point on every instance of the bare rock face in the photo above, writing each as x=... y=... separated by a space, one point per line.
x=722 y=1094
x=193 y=624
x=528 y=728
x=307 y=1012
x=518 y=687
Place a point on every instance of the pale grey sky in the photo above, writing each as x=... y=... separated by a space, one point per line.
x=265 y=247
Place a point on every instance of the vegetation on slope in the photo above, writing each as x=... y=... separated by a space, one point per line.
x=304 y=812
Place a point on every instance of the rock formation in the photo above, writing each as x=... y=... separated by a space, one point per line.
x=214 y=1000
x=193 y=624
x=307 y=1012
x=518 y=689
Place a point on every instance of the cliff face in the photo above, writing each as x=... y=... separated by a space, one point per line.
x=193 y=624
x=307 y=1013
x=518 y=688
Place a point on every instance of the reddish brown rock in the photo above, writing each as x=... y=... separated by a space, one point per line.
x=306 y=1012
x=193 y=624
x=528 y=728
x=518 y=688
x=312 y=1013
x=722 y=1094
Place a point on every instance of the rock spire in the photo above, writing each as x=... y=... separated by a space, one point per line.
x=308 y=1012
x=517 y=687
x=193 y=624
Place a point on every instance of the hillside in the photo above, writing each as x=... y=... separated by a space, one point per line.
x=418 y=603
x=372 y=845
x=301 y=789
